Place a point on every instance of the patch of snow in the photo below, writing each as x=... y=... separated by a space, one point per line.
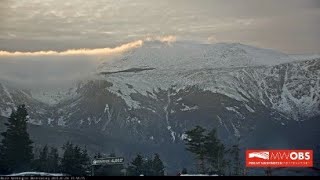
x=220 y=120
x=50 y=121
x=249 y=108
x=7 y=112
x=61 y=121
x=36 y=174
x=234 y=110
x=306 y=105
x=151 y=110
x=89 y=120
x=165 y=108
x=34 y=121
x=52 y=96
x=97 y=120
x=187 y=108
x=135 y=120
x=173 y=135
x=106 y=108
x=7 y=92
x=184 y=136
x=236 y=131
x=27 y=95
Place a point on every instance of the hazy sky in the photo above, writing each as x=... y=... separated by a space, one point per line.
x=291 y=26
x=59 y=41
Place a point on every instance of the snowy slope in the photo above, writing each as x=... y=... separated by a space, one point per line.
x=157 y=84
x=53 y=96
x=11 y=97
x=189 y=56
x=239 y=71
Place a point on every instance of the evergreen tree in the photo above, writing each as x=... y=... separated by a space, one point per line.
x=75 y=161
x=184 y=171
x=16 y=146
x=48 y=161
x=67 y=161
x=195 y=143
x=42 y=162
x=84 y=161
x=146 y=166
x=215 y=152
x=235 y=154
x=97 y=155
x=208 y=149
x=157 y=166
x=136 y=167
x=53 y=160
x=148 y=169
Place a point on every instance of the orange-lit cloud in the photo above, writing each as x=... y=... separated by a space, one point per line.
x=91 y=52
x=76 y=52
x=163 y=39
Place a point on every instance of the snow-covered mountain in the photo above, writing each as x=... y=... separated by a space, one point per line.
x=241 y=72
x=150 y=96
x=11 y=97
x=158 y=91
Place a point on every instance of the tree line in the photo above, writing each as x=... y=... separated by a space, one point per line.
x=17 y=155
x=140 y=165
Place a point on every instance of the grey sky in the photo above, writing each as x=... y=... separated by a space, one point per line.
x=291 y=26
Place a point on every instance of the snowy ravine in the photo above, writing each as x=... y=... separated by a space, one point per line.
x=158 y=91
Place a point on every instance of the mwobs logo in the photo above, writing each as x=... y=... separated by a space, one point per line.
x=279 y=158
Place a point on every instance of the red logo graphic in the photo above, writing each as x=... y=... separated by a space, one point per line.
x=279 y=158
